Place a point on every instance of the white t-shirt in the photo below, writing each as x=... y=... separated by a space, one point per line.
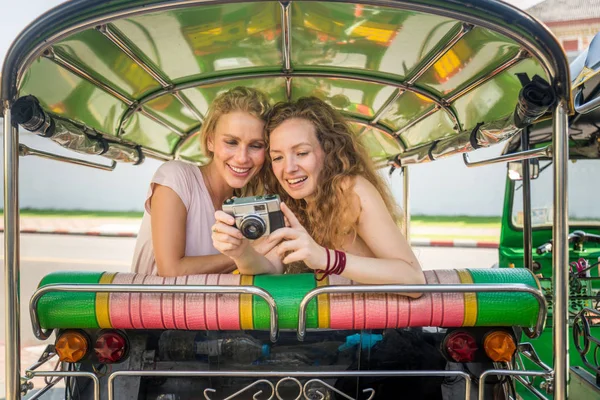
x=186 y=180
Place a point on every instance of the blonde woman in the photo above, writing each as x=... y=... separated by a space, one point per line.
x=342 y=219
x=175 y=235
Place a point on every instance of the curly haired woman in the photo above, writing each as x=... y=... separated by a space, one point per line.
x=338 y=209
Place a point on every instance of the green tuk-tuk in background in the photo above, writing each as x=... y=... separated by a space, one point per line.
x=526 y=234
x=419 y=80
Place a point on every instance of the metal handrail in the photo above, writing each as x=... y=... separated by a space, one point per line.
x=522 y=155
x=286 y=375
x=28 y=151
x=189 y=289
x=503 y=372
x=428 y=288
x=587 y=107
x=69 y=374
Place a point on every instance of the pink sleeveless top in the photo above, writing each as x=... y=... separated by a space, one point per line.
x=185 y=180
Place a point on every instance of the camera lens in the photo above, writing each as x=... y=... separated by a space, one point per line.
x=253 y=227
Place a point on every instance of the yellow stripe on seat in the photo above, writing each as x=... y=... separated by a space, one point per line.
x=470 y=299
x=323 y=305
x=102 y=309
x=246 y=320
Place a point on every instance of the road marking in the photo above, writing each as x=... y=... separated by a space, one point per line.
x=72 y=261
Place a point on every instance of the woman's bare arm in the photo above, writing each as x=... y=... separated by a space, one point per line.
x=394 y=260
x=169 y=217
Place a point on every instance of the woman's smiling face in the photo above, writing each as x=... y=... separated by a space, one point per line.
x=238 y=147
x=297 y=157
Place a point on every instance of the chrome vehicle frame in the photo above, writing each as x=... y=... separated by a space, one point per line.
x=22 y=55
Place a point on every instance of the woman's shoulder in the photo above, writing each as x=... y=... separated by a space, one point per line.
x=361 y=186
x=177 y=167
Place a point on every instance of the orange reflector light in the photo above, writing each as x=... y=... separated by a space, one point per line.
x=71 y=346
x=499 y=346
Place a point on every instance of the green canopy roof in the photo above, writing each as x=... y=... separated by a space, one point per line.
x=408 y=75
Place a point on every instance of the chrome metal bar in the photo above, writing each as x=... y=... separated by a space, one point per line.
x=192 y=289
x=11 y=257
x=27 y=151
x=47 y=356
x=157 y=154
x=286 y=38
x=529 y=352
x=521 y=55
x=523 y=155
x=415 y=121
x=285 y=375
x=188 y=104
x=435 y=55
x=384 y=130
x=503 y=372
x=587 y=107
x=386 y=106
x=351 y=76
x=288 y=88
x=70 y=65
x=71 y=374
x=321 y=384
x=118 y=38
x=527 y=235
x=133 y=105
x=162 y=122
x=560 y=251
x=382 y=81
x=244 y=389
x=406 y=201
x=531 y=388
x=45 y=389
x=476 y=288
x=529 y=42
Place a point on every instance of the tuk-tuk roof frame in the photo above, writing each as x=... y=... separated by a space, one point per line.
x=78 y=15
x=83 y=14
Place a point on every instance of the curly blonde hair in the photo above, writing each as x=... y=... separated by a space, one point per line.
x=240 y=98
x=329 y=219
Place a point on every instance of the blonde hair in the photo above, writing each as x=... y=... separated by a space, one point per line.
x=329 y=218
x=240 y=98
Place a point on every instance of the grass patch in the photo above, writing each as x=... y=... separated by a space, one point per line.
x=479 y=238
x=456 y=221
x=79 y=214
x=461 y=221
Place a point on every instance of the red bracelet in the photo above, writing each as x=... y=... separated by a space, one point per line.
x=341 y=265
x=338 y=267
x=325 y=272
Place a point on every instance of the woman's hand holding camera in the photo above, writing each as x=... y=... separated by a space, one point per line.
x=296 y=241
x=228 y=239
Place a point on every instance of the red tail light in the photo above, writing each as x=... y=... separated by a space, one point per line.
x=461 y=346
x=110 y=347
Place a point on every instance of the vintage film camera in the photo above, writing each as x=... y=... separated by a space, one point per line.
x=256 y=215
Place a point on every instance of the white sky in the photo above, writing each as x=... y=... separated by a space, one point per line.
x=14 y=18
